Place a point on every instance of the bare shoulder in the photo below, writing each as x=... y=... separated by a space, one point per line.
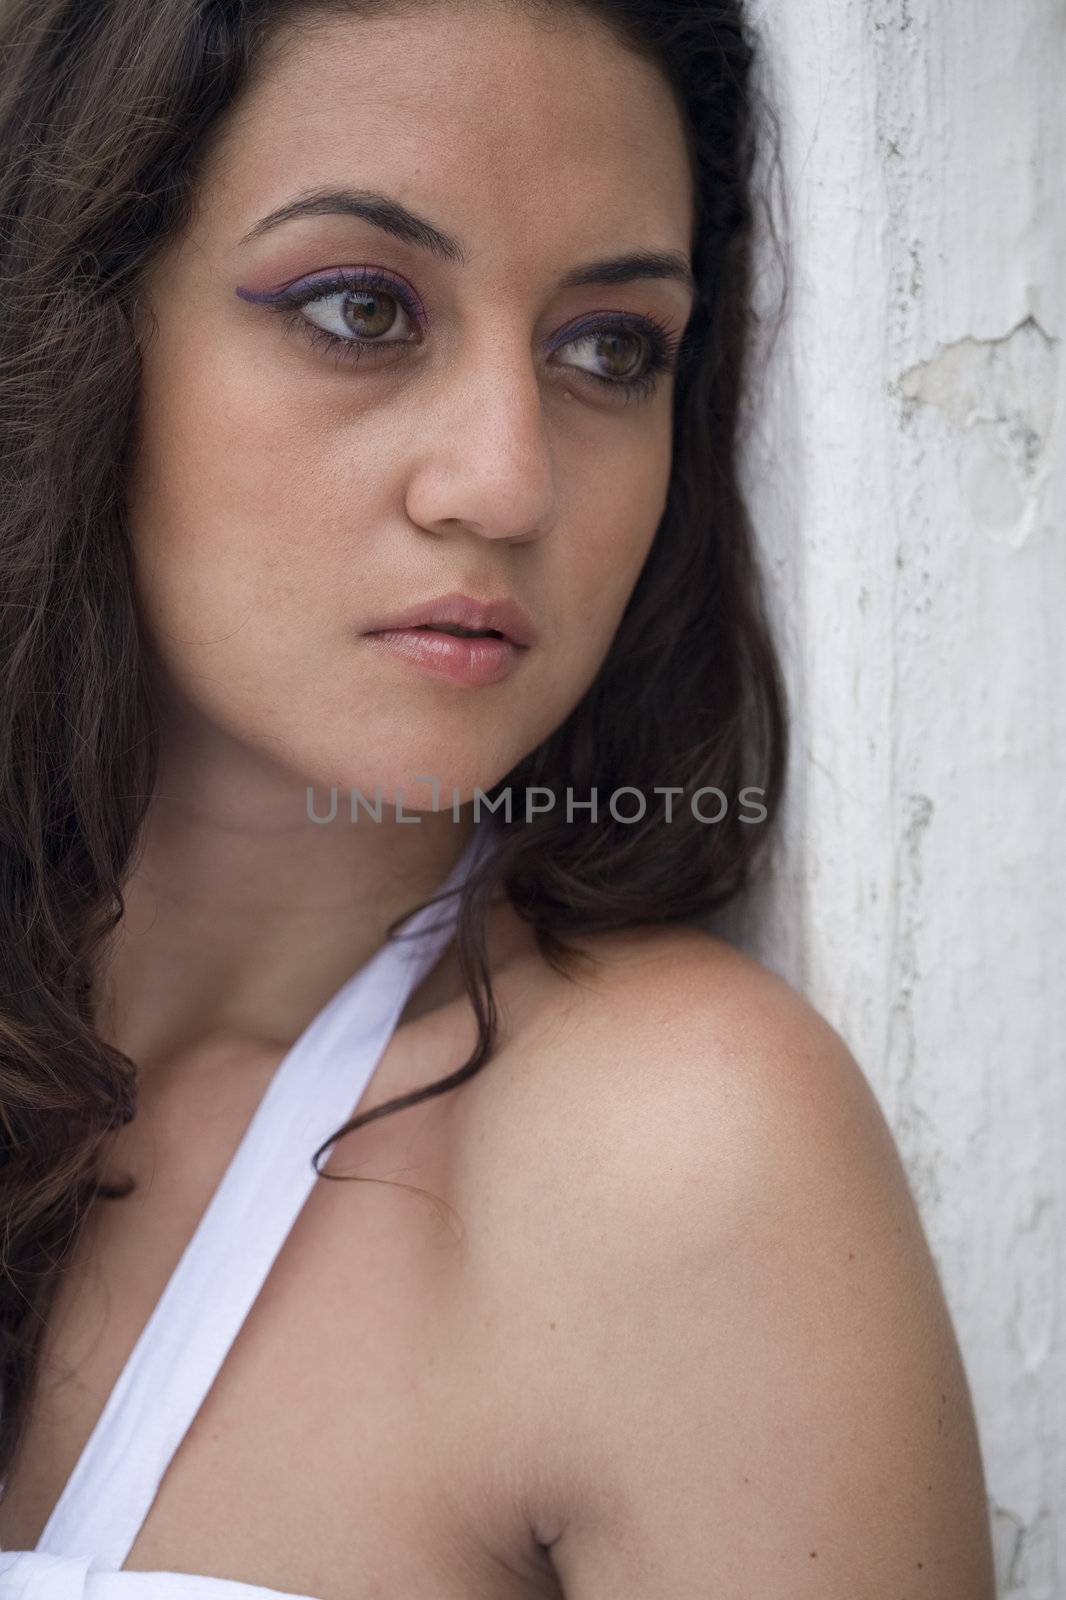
x=759 y=1387
x=688 y=1058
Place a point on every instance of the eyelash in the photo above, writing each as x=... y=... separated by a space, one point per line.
x=663 y=346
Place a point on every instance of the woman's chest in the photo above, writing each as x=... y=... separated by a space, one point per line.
x=372 y=1430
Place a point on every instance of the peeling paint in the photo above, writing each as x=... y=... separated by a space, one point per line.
x=1024 y=1553
x=915 y=1136
x=999 y=395
x=1035 y=1562
x=909 y=488
x=1008 y=1533
x=1031 y=1320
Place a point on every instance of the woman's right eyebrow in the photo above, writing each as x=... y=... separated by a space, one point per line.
x=371 y=206
x=384 y=212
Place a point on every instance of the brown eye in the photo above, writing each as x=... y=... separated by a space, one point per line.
x=626 y=357
x=618 y=355
x=369 y=312
x=612 y=348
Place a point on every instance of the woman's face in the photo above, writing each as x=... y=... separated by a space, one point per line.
x=286 y=496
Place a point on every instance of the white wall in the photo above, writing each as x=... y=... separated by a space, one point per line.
x=908 y=475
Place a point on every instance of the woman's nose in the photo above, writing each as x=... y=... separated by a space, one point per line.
x=485 y=459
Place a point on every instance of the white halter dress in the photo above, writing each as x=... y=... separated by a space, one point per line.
x=316 y=1087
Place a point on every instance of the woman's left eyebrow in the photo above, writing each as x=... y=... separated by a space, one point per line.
x=387 y=213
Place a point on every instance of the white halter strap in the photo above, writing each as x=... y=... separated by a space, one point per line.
x=177 y=1356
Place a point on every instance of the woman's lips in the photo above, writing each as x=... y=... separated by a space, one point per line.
x=472 y=662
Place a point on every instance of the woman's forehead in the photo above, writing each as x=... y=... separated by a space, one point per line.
x=483 y=105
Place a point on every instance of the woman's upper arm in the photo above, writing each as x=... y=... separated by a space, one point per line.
x=773 y=1401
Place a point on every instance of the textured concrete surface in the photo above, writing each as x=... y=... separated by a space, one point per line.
x=908 y=475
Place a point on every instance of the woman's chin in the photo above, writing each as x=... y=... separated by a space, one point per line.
x=394 y=797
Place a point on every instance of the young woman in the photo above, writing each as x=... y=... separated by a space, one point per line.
x=330 y=331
